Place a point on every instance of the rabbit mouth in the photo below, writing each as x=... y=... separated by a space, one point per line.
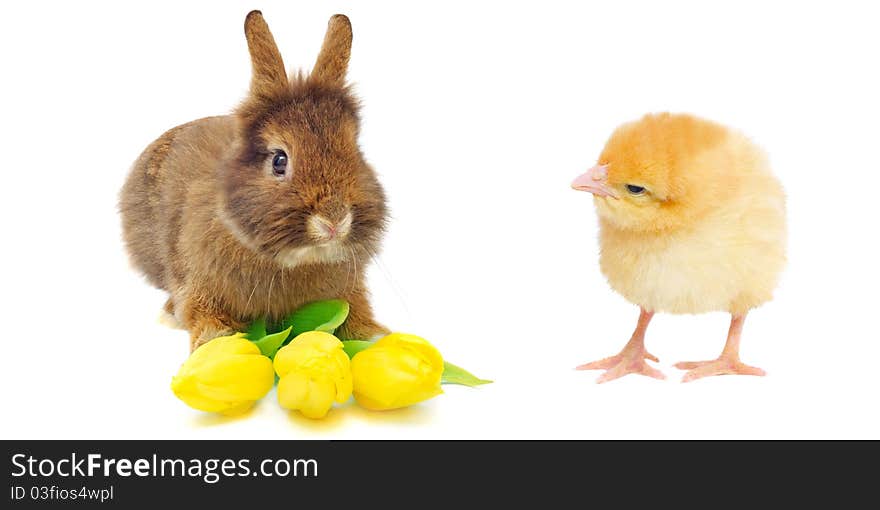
x=314 y=254
x=323 y=251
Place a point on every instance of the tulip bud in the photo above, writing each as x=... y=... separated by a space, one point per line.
x=225 y=375
x=399 y=370
x=314 y=372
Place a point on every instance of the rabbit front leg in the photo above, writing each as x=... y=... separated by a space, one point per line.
x=360 y=324
x=205 y=320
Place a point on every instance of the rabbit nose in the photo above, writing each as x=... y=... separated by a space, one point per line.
x=326 y=230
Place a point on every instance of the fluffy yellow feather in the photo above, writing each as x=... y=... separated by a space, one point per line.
x=691 y=219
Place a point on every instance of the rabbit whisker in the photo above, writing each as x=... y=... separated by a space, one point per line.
x=269 y=295
x=347 y=274
x=354 y=264
x=387 y=275
x=248 y=304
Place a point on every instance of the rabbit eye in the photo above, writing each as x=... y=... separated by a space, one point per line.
x=635 y=190
x=279 y=163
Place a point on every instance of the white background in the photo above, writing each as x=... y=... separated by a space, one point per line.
x=477 y=116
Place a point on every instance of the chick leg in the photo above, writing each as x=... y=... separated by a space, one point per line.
x=631 y=359
x=727 y=363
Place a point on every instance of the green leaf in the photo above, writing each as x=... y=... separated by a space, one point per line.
x=317 y=316
x=352 y=347
x=453 y=374
x=256 y=330
x=270 y=344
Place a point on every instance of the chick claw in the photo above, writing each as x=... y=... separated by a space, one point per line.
x=721 y=366
x=627 y=362
x=727 y=363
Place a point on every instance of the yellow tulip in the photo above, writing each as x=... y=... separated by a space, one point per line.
x=399 y=370
x=226 y=375
x=314 y=372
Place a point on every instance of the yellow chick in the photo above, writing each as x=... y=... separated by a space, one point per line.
x=691 y=220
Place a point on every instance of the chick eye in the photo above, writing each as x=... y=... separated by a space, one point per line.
x=279 y=163
x=635 y=190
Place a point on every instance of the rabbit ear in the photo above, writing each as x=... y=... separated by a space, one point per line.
x=332 y=62
x=268 y=77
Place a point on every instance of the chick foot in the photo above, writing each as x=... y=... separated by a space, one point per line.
x=631 y=360
x=721 y=366
x=726 y=364
x=627 y=362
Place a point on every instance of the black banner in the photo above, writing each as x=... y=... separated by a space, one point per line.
x=132 y=474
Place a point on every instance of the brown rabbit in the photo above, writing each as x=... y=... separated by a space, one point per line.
x=261 y=211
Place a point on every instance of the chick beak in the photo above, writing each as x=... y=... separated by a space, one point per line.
x=595 y=181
